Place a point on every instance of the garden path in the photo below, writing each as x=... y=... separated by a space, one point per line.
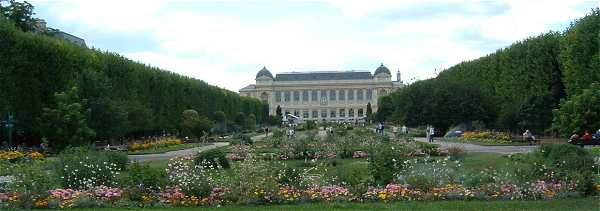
x=479 y=148
x=178 y=153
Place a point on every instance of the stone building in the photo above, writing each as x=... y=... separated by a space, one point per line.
x=340 y=96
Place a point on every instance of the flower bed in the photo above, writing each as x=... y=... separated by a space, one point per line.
x=15 y=155
x=154 y=143
x=489 y=137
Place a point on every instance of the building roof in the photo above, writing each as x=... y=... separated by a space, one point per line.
x=382 y=69
x=324 y=75
x=264 y=72
x=249 y=87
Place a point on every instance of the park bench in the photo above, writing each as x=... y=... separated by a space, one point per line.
x=581 y=142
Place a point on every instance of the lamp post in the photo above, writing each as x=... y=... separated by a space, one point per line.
x=9 y=124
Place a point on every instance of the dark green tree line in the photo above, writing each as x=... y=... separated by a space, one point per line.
x=125 y=98
x=517 y=86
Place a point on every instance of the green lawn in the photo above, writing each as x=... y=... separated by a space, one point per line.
x=165 y=149
x=589 y=203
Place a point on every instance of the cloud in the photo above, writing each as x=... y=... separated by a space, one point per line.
x=227 y=46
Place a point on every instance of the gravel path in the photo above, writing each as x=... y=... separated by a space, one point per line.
x=480 y=148
x=171 y=154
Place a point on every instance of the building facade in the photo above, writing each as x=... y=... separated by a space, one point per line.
x=339 y=96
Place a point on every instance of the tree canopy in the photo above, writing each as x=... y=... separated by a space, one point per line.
x=125 y=98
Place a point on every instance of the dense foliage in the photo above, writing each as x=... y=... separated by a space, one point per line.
x=579 y=113
x=514 y=88
x=123 y=97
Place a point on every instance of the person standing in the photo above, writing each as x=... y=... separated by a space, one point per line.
x=431 y=133
x=587 y=137
x=574 y=137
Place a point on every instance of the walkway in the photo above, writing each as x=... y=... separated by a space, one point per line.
x=179 y=153
x=480 y=148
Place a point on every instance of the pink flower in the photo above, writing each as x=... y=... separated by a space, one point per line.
x=360 y=154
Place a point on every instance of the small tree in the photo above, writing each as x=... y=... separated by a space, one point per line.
x=278 y=111
x=66 y=124
x=240 y=119
x=194 y=124
x=369 y=112
x=250 y=122
x=221 y=120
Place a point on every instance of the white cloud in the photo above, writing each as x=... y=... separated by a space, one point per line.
x=216 y=47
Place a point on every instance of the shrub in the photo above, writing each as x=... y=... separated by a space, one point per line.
x=385 y=160
x=146 y=178
x=289 y=177
x=83 y=168
x=212 y=158
x=310 y=125
x=427 y=148
x=579 y=112
x=355 y=176
x=252 y=181
x=456 y=152
x=192 y=179
x=31 y=180
x=118 y=158
x=426 y=173
x=242 y=139
x=557 y=162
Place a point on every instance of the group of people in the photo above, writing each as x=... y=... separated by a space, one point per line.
x=587 y=137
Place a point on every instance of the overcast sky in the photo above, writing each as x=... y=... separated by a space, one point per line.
x=226 y=43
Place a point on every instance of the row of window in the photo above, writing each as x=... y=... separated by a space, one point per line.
x=331 y=113
x=315 y=95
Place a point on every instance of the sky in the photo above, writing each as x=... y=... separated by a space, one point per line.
x=225 y=43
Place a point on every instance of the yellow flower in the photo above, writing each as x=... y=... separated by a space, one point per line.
x=41 y=203
x=36 y=155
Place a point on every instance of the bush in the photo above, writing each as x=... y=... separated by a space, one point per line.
x=355 y=176
x=242 y=139
x=579 y=112
x=567 y=163
x=145 y=178
x=310 y=125
x=385 y=160
x=193 y=179
x=212 y=158
x=427 y=148
x=289 y=177
x=118 y=158
x=31 y=180
x=83 y=168
x=456 y=152
x=426 y=173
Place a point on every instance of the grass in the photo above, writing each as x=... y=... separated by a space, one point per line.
x=589 y=203
x=165 y=149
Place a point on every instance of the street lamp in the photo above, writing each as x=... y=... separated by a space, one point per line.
x=9 y=124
